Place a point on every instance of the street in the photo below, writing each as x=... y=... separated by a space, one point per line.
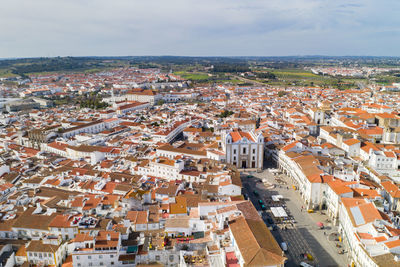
x=305 y=236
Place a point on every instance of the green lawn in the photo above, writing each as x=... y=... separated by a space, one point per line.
x=7 y=74
x=294 y=73
x=192 y=76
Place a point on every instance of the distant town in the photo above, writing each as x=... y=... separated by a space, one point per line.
x=199 y=162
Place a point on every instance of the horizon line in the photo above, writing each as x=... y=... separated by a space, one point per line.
x=185 y=56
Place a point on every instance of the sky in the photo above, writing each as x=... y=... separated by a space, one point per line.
x=48 y=28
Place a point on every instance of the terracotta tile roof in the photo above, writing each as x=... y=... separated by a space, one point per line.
x=256 y=244
x=351 y=142
x=34 y=221
x=365 y=193
x=137 y=217
x=393 y=244
x=61 y=221
x=391 y=188
x=179 y=207
x=38 y=246
x=107 y=239
x=289 y=146
x=339 y=187
x=239 y=135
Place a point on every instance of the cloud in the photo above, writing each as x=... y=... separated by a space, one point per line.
x=192 y=27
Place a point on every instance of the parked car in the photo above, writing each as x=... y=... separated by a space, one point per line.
x=305 y=264
x=263 y=207
x=260 y=201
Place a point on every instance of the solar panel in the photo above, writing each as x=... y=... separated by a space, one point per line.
x=357 y=215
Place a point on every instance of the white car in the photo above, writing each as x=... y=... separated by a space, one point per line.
x=305 y=264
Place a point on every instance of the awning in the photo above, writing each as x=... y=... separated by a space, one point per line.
x=132 y=249
x=276 y=197
x=197 y=235
x=278 y=212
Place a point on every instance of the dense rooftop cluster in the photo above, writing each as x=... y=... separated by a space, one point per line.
x=154 y=178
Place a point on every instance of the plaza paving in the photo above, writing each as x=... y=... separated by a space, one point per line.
x=305 y=236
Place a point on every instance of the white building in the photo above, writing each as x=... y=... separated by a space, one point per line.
x=383 y=161
x=367 y=234
x=45 y=252
x=163 y=167
x=103 y=250
x=244 y=149
x=335 y=191
x=132 y=106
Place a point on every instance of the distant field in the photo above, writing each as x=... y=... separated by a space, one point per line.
x=293 y=73
x=6 y=74
x=234 y=81
x=192 y=76
x=301 y=77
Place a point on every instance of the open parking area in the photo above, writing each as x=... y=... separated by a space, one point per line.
x=309 y=237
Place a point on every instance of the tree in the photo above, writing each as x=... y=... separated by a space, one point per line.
x=266 y=75
x=225 y=113
x=160 y=102
x=281 y=93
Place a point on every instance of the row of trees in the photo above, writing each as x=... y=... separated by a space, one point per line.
x=231 y=68
x=266 y=75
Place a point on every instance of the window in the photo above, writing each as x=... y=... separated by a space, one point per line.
x=157 y=258
x=112 y=263
x=254 y=151
x=77 y=257
x=244 y=150
x=79 y=265
x=234 y=151
x=90 y=264
x=101 y=264
x=171 y=257
x=100 y=256
x=89 y=257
